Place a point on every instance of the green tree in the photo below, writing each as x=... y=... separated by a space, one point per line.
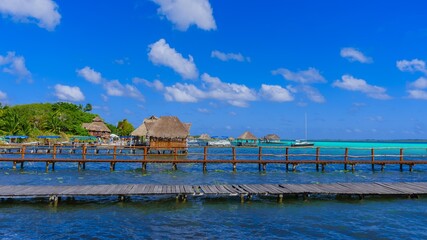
x=53 y=123
x=124 y=128
x=10 y=123
x=25 y=128
x=88 y=108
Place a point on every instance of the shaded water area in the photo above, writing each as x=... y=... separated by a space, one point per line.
x=216 y=217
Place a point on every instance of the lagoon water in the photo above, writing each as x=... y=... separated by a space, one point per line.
x=217 y=218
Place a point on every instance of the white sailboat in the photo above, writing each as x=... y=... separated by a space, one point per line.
x=303 y=143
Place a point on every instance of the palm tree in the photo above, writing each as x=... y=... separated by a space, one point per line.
x=10 y=123
x=26 y=128
x=53 y=123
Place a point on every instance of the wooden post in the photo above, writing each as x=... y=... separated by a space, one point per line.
x=317 y=158
x=287 y=158
x=47 y=166
x=345 y=158
x=115 y=153
x=112 y=166
x=205 y=158
x=144 y=163
x=175 y=157
x=23 y=152
x=259 y=158
x=233 y=149
x=401 y=159
x=373 y=159
x=54 y=152
x=280 y=198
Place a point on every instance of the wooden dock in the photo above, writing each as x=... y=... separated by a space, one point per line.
x=244 y=191
x=289 y=157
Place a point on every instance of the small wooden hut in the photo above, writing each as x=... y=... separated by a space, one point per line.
x=271 y=138
x=247 y=139
x=168 y=132
x=142 y=131
x=204 y=136
x=97 y=128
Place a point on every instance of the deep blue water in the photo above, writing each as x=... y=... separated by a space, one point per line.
x=217 y=218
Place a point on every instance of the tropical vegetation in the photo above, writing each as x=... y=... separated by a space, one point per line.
x=59 y=118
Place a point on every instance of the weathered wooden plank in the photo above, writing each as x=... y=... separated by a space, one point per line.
x=235 y=189
x=274 y=189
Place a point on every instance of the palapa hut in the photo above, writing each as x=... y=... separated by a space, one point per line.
x=247 y=139
x=204 y=136
x=97 y=128
x=271 y=138
x=168 y=132
x=164 y=133
x=142 y=130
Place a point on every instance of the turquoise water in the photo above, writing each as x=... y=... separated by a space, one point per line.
x=260 y=218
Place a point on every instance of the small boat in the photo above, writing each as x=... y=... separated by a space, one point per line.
x=219 y=143
x=302 y=143
x=195 y=142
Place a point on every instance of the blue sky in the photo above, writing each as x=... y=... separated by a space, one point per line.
x=356 y=68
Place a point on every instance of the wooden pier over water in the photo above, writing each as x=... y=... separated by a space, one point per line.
x=244 y=191
x=288 y=157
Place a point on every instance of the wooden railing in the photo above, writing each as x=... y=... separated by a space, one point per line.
x=287 y=156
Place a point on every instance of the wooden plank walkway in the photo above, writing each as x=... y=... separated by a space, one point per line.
x=409 y=189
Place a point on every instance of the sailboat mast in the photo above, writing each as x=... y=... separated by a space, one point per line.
x=305 y=126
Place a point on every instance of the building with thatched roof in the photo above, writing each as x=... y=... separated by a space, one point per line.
x=204 y=136
x=97 y=128
x=142 y=130
x=164 y=132
x=247 y=139
x=271 y=138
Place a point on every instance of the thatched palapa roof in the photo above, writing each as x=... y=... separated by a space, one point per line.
x=247 y=136
x=271 y=137
x=142 y=130
x=204 y=136
x=97 y=125
x=168 y=127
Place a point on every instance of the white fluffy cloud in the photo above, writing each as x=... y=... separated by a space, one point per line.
x=234 y=94
x=90 y=75
x=229 y=56
x=44 y=12
x=417 y=94
x=415 y=65
x=156 y=84
x=350 y=83
x=313 y=94
x=420 y=83
x=184 y=93
x=184 y=13
x=303 y=79
x=115 y=88
x=162 y=54
x=311 y=75
x=416 y=89
x=15 y=65
x=353 y=55
x=3 y=95
x=276 y=93
x=68 y=93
